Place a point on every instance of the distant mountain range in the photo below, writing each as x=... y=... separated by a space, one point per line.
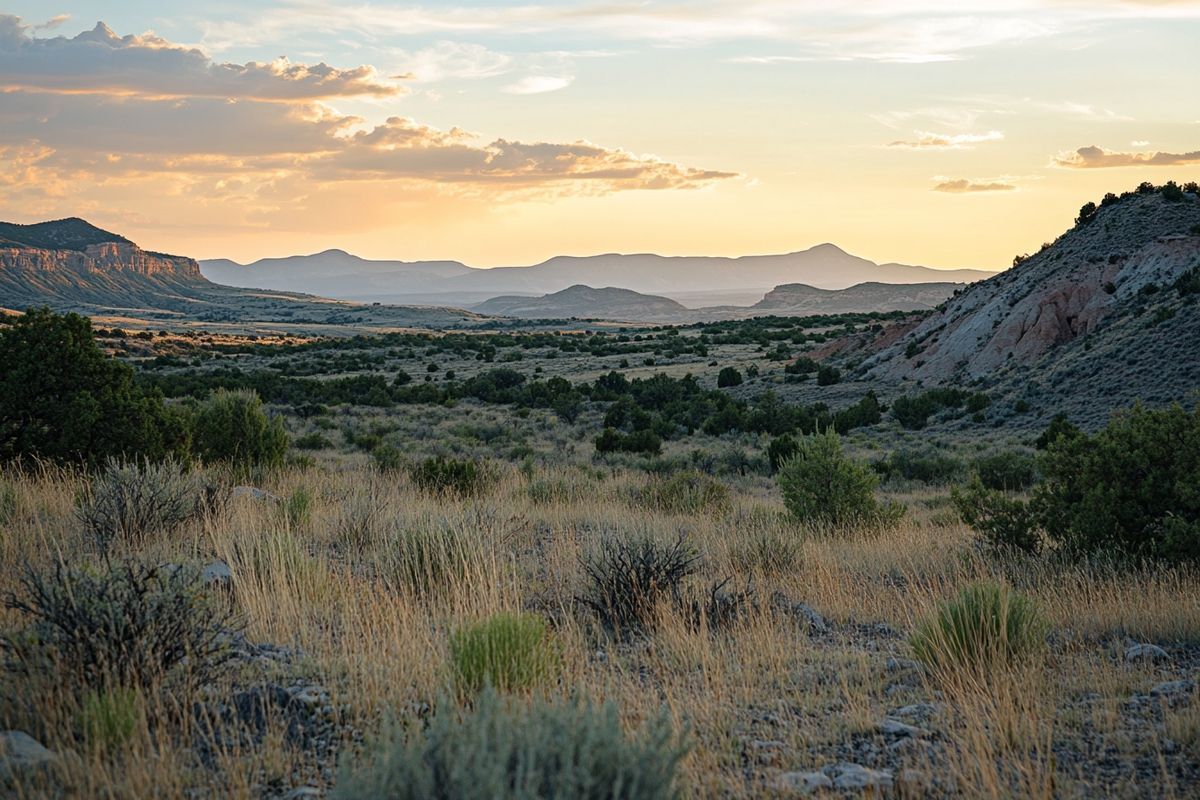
x=71 y=265
x=793 y=299
x=335 y=273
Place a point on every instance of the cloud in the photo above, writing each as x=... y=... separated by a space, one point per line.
x=454 y=60
x=1093 y=157
x=1139 y=143
x=945 y=141
x=538 y=84
x=52 y=23
x=965 y=186
x=98 y=61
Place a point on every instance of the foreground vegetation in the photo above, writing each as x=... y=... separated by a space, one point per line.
x=474 y=599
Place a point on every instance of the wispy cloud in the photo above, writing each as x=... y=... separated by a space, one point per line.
x=967 y=186
x=1093 y=157
x=539 y=84
x=943 y=141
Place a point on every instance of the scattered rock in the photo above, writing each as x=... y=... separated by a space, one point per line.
x=217 y=575
x=20 y=752
x=1145 y=653
x=805 y=783
x=1174 y=689
x=894 y=727
x=816 y=622
x=922 y=712
x=253 y=493
x=303 y=793
x=854 y=776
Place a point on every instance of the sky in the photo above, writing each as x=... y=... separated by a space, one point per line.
x=949 y=133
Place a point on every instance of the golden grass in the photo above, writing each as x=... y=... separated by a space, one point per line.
x=330 y=585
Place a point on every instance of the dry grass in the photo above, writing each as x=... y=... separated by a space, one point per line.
x=760 y=696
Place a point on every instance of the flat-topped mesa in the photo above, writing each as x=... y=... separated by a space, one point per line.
x=102 y=257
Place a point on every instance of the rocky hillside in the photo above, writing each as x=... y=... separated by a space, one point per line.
x=798 y=298
x=1105 y=315
x=71 y=265
x=587 y=303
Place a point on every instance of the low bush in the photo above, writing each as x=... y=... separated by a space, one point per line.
x=628 y=578
x=108 y=719
x=1005 y=523
x=986 y=626
x=462 y=477
x=924 y=466
x=780 y=450
x=505 y=749
x=231 y=427
x=130 y=503
x=765 y=550
x=687 y=492
x=728 y=376
x=645 y=442
x=828 y=375
x=129 y=625
x=508 y=652
x=822 y=485
x=1009 y=470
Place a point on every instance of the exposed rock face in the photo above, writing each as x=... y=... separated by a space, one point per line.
x=104 y=257
x=1092 y=318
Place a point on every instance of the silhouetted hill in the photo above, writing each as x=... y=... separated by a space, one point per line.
x=585 y=302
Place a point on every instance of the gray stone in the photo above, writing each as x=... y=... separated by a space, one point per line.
x=805 y=783
x=1178 y=688
x=816 y=622
x=1145 y=653
x=902 y=664
x=922 y=712
x=894 y=727
x=860 y=778
x=217 y=573
x=303 y=793
x=20 y=752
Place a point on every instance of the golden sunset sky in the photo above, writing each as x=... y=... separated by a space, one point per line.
x=950 y=134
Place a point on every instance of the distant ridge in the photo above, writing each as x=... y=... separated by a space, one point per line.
x=339 y=274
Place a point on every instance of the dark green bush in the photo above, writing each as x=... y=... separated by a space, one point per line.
x=231 y=427
x=628 y=578
x=728 y=377
x=63 y=399
x=925 y=466
x=1060 y=427
x=644 y=442
x=828 y=375
x=1004 y=522
x=822 y=485
x=1009 y=470
x=509 y=749
x=462 y=477
x=780 y=450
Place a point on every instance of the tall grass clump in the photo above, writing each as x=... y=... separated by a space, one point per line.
x=427 y=560
x=131 y=502
x=462 y=477
x=505 y=749
x=821 y=485
x=510 y=652
x=628 y=578
x=688 y=492
x=986 y=626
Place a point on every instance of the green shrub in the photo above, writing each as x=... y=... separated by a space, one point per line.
x=130 y=503
x=828 y=375
x=232 y=427
x=1004 y=522
x=822 y=485
x=508 y=652
x=389 y=458
x=628 y=578
x=63 y=399
x=312 y=441
x=688 y=492
x=507 y=749
x=129 y=625
x=462 y=477
x=108 y=719
x=986 y=626
x=1008 y=470
x=645 y=442
x=296 y=508
x=1060 y=427
x=780 y=450
x=1131 y=489
x=728 y=376
x=925 y=466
